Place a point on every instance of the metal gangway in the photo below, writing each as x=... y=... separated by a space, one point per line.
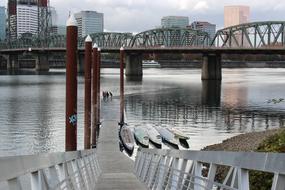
x=197 y=170
x=67 y=170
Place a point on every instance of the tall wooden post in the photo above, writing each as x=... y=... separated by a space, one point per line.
x=122 y=103
x=71 y=85
x=94 y=95
x=99 y=85
x=87 y=94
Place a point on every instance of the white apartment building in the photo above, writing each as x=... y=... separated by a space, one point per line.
x=89 y=22
x=27 y=19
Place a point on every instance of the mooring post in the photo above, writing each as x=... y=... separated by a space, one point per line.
x=71 y=85
x=87 y=94
x=122 y=104
x=94 y=95
x=99 y=86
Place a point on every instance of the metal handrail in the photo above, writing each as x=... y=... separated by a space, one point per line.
x=174 y=169
x=66 y=170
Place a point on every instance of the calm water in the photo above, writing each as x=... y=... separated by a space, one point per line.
x=32 y=107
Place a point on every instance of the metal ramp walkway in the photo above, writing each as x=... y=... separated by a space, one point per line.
x=117 y=168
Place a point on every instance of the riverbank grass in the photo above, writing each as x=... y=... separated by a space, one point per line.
x=275 y=143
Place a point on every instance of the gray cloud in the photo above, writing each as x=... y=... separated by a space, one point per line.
x=139 y=15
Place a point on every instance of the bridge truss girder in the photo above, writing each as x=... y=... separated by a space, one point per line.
x=251 y=35
x=170 y=37
x=109 y=39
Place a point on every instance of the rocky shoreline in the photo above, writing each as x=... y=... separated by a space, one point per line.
x=245 y=142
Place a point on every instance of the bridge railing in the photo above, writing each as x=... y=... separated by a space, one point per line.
x=198 y=170
x=68 y=170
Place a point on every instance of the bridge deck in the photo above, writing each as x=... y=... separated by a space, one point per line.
x=117 y=168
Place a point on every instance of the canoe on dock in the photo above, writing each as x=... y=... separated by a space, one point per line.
x=127 y=139
x=181 y=136
x=141 y=137
x=178 y=134
x=154 y=136
x=168 y=137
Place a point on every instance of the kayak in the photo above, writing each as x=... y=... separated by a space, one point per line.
x=154 y=136
x=127 y=139
x=168 y=137
x=141 y=137
x=178 y=134
x=181 y=136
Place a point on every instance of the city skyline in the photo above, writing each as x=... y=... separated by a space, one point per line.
x=139 y=15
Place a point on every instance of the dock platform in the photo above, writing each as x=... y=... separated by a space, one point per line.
x=117 y=168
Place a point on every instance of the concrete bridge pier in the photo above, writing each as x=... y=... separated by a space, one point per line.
x=212 y=67
x=133 y=65
x=12 y=62
x=42 y=63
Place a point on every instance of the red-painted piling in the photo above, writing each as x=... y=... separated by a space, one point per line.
x=99 y=85
x=87 y=92
x=122 y=103
x=71 y=85
x=94 y=96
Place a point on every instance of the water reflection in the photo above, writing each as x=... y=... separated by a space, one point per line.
x=32 y=108
x=211 y=93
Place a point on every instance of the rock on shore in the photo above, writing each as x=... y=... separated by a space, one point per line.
x=244 y=142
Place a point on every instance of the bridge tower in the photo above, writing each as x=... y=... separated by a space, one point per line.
x=44 y=21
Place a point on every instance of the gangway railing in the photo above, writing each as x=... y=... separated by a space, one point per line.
x=197 y=170
x=67 y=170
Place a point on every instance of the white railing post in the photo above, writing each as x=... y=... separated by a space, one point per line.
x=174 y=177
x=161 y=168
x=165 y=172
x=198 y=174
x=278 y=182
x=53 y=176
x=147 y=167
x=243 y=179
x=211 y=175
x=181 y=175
x=14 y=184
x=153 y=171
x=142 y=165
x=38 y=181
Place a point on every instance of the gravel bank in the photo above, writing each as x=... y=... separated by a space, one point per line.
x=244 y=142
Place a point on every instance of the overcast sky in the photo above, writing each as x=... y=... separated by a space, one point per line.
x=140 y=15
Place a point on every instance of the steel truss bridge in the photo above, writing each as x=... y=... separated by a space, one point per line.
x=251 y=35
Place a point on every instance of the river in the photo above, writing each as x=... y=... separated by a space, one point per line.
x=32 y=107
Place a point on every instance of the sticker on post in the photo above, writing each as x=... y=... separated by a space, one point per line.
x=73 y=119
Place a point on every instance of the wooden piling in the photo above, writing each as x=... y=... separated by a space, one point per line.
x=87 y=92
x=122 y=103
x=71 y=85
x=94 y=96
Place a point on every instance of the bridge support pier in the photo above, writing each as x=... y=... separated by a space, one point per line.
x=212 y=67
x=12 y=62
x=133 y=66
x=42 y=63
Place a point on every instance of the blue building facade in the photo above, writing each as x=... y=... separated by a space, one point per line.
x=2 y=23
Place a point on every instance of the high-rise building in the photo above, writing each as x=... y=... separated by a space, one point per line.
x=2 y=23
x=89 y=22
x=27 y=19
x=174 y=21
x=234 y=15
x=28 y=16
x=205 y=27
